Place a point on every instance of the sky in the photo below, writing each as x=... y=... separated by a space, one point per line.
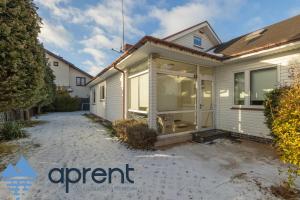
x=85 y=31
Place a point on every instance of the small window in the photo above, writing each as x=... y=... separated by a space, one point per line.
x=239 y=88
x=94 y=95
x=197 y=41
x=102 y=92
x=80 y=81
x=262 y=81
x=55 y=63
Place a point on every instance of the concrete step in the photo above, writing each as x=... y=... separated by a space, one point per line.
x=175 y=138
x=210 y=135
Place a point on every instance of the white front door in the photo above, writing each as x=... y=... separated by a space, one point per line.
x=206 y=107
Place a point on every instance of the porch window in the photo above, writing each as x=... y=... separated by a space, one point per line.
x=176 y=96
x=138 y=89
x=239 y=88
x=262 y=81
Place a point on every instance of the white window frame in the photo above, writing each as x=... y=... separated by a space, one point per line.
x=197 y=37
x=248 y=84
x=134 y=76
x=102 y=98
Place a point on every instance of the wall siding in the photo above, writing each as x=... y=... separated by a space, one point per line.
x=188 y=41
x=114 y=97
x=246 y=121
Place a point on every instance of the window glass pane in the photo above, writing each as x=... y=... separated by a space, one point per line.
x=261 y=82
x=143 y=91
x=176 y=122
x=165 y=64
x=239 y=88
x=134 y=91
x=175 y=93
x=197 y=41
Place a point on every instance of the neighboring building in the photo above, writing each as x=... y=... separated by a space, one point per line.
x=68 y=76
x=191 y=81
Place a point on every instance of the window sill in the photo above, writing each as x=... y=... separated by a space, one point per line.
x=199 y=47
x=138 y=111
x=102 y=100
x=248 y=108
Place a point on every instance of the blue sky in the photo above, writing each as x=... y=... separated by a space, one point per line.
x=84 y=31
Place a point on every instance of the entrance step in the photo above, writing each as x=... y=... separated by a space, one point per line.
x=209 y=135
x=171 y=139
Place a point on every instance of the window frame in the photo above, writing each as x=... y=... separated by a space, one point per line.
x=197 y=37
x=234 y=88
x=80 y=78
x=247 y=72
x=94 y=95
x=55 y=63
x=102 y=92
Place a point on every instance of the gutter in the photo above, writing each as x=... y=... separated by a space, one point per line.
x=123 y=105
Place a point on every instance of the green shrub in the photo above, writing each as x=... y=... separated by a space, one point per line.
x=135 y=133
x=63 y=102
x=271 y=105
x=11 y=130
x=286 y=127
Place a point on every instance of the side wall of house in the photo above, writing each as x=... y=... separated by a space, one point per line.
x=111 y=108
x=80 y=91
x=248 y=121
x=114 y=97
x=61 y=71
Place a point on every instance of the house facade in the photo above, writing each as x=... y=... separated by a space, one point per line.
x=190 y=81
x=68 y=76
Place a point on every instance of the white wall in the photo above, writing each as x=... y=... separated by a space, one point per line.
x=112 y=107
x=114 y=97
x=188 y=41
x=247 y=121
x=66 y=76
x=61 y=71
x=80 y=91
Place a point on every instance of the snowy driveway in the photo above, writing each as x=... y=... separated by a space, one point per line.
x=223 y=170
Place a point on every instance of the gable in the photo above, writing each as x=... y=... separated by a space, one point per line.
x=203 y=30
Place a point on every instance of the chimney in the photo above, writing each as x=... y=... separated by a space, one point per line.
x=126 y=47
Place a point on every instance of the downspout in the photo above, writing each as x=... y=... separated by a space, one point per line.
x=123 y=105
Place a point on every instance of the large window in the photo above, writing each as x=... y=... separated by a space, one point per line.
x=175 y=93
x=261 y=82
x=239 y=88
x=138 y=88
x=80 y=81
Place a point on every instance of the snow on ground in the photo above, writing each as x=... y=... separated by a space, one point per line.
x=222 y=170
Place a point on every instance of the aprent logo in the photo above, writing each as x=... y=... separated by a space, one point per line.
x=19 y=178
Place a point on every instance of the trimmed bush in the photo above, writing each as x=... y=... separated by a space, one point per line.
x=136 y=133
x=63 y=102
x=11 y=130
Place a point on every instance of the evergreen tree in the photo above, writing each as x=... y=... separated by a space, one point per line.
x=22 y=63
x=47 y=93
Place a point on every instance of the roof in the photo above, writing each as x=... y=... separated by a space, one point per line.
x=281 y=33
x=192 y=27
x=67 y=62
x=146 y=39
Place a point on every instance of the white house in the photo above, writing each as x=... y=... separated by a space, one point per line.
x=190 y=81
x=68 y=76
